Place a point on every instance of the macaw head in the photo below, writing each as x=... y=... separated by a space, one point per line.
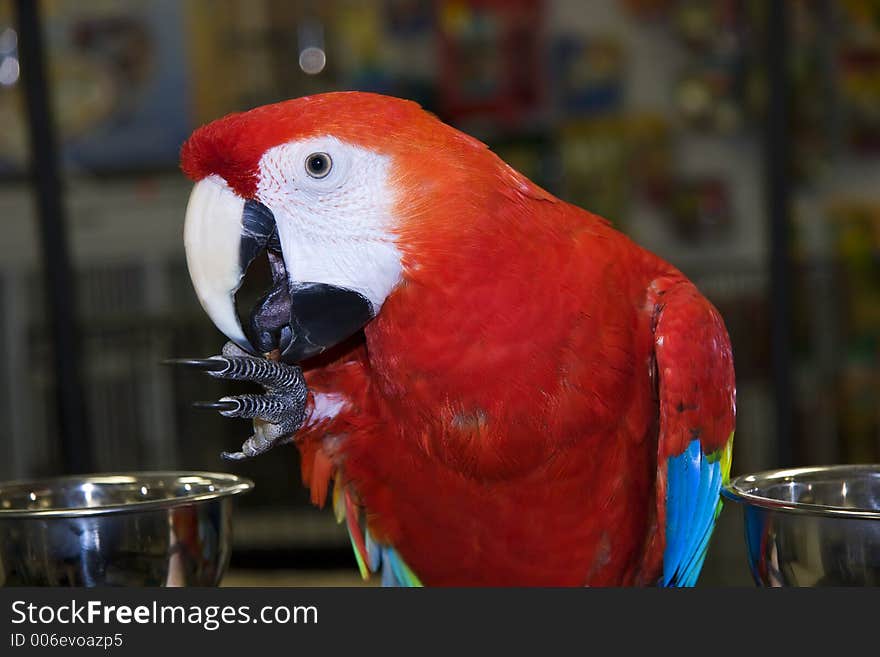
x=336 y=189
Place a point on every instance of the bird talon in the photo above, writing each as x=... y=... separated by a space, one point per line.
x=212 y=365
x=222 y=405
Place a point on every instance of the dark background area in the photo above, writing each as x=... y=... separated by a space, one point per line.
x=736 y=139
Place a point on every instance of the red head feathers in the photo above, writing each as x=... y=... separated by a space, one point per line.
x=231 y=147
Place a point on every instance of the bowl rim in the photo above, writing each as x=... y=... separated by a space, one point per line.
x=737 y=490
x=226 y=485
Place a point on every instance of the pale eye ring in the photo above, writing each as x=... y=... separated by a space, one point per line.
x=318 y=165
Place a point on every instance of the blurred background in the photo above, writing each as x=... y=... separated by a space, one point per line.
x=737 y=139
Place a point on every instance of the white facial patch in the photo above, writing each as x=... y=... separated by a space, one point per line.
x=335 y=229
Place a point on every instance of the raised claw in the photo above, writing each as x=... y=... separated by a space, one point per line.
x=211 y=365
x=221 y=405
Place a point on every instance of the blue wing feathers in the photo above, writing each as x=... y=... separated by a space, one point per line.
x=394 y=571
x=693 y=484
x=374 y=552
x=388 y=578
x=674 y=506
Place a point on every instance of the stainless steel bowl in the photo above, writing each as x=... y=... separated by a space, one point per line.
x=120 y=529
x=812 y=526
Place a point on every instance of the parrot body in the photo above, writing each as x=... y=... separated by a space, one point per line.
x=536 y=401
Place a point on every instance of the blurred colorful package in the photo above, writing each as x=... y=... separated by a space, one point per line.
x=860 y=90
x=587 y=74
x=245 y=54
x=699 y=209
x=856 y=226
x=607 y=161
x=359 y=46
x=858 y=414
x=709 y=97
x=491 y=59
x=651 y=156
x=715 y=91
x=388 y=47
x=709 y=26
x=858 y=66
x=595 y=155
x=118 y=74
x=811 y=122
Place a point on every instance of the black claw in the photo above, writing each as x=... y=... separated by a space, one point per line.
x=207 y=364
x=218 y=405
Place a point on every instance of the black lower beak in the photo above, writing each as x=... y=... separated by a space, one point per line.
x=323 y=316
x=300 y=319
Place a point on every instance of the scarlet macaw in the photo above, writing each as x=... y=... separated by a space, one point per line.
x=502 y=387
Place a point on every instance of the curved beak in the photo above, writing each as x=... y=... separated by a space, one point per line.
x=223 y=233
x=212 y=240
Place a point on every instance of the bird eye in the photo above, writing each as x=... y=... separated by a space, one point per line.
x=318 y=165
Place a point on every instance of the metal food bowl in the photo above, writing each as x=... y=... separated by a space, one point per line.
x=812 y=526
x=120 y=529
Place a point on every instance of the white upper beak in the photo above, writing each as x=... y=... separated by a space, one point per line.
x=212 y=239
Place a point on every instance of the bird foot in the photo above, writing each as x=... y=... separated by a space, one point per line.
x=276 y=415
